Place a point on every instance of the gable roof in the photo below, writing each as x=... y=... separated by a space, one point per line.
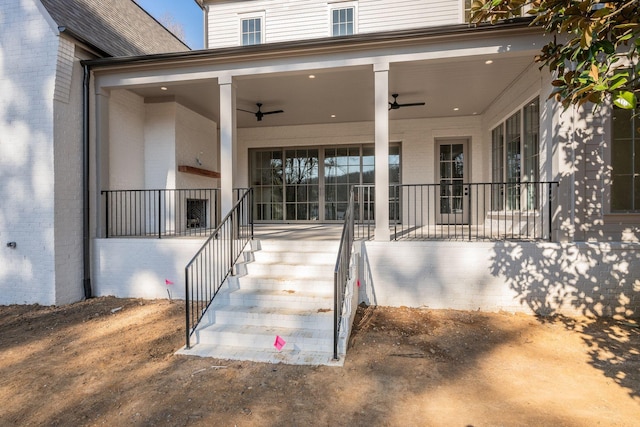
x=115 y=27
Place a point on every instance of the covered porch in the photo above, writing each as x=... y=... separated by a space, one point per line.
x=339 y=127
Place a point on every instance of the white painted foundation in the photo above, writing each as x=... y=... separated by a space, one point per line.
x=139 y=268
x=599 y=279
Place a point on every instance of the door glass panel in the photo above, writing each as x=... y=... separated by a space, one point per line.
x=266 y=179
x=287 y=184
x=451 y=182
x=301 y=173
x=341 y=171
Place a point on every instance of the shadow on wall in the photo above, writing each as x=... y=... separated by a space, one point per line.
x=591 y=279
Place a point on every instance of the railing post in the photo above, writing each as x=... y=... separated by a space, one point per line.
x=159 y=214
x=251 y=211
x=186 y=300
x=106 y=205
x=468 y=209
x=550 y=211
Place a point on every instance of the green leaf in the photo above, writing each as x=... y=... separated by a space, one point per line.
x=601 y=12
x=626 y=100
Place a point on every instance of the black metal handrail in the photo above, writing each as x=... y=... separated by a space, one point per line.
x=215 y=261
x=161 y=213
x=473 y=211
x=341 y=272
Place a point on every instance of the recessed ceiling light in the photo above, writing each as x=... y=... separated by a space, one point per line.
x=163 y=88
x=333 y=116
x=312 y=76
x=456 y=109
x=488 y=61
x=475 y=113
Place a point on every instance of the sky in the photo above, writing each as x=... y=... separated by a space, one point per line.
x=185 y=12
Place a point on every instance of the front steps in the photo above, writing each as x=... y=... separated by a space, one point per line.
x=283 y=288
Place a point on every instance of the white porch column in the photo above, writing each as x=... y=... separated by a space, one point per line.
x=99 y=166
x=381 y=72
x=227 y=142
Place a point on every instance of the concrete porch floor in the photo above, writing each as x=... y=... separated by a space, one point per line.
x=297 y=231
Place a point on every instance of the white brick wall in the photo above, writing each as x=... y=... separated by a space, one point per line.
x=27 y=74
x=68 y=188
x=542 y=278
x=64 y=72
x=138 y=268
x=126 y=141
x=196 y=136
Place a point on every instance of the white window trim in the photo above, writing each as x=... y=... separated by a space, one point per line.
x=463 y=10
x=342 y=5
x=262 y=15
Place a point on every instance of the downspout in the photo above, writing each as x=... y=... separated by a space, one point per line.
x=86 y=243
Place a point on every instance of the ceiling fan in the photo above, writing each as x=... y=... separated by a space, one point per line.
x=260 y=114
x=394 y=105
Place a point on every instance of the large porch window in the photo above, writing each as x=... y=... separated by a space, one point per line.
x=516 y=157
x=312 y=184
x=625 y=161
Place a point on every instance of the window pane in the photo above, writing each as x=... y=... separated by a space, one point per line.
x=342 y=21
x=621 y=192
x=624 y=149
x=251 y=31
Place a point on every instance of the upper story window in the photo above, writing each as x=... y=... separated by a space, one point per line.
x=343 y=19
x=252 y=30
x=467 y=10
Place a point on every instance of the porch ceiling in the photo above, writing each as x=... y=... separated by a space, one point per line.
x=469 y=84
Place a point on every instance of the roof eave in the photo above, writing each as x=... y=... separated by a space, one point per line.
x=310 y=46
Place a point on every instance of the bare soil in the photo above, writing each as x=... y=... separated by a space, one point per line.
x=109 y=361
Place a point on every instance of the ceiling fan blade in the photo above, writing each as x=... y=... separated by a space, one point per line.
x=412 y=104
x=246 y=111
x=273 y=112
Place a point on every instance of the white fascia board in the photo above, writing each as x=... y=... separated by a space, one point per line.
x=129 y=75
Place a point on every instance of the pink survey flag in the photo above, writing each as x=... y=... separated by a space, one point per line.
x=279 y=343
x=168 y=282
x=358 y=282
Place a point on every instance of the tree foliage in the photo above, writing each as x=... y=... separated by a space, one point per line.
x=595 y=47
x=170 y=23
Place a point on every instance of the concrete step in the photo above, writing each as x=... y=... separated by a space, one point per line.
x=289 y=317
x=289 y=271
x=284 y=288
x=263 y=338
x=275 y=298
x=295 y=246
x=303 y=258
x=271 y=282
x=289 y=356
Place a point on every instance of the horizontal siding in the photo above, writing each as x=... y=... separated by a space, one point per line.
x=303 y=19
x=389 y=15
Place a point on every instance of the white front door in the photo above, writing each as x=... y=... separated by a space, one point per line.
x=453 y=200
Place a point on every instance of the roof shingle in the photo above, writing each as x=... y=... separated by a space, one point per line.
x=116 y=27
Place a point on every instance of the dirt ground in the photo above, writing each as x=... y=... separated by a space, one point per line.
x=111 y=361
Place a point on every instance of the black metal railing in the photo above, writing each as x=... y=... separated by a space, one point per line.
x=473 y=211
x=161 y=213
x=214 y=262
x=341 y=272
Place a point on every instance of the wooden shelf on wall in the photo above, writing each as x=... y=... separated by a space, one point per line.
x=199 y=171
